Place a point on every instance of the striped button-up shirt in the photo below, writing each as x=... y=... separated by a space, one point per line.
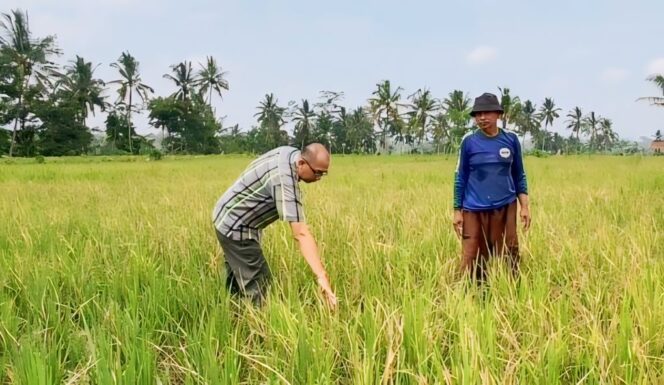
x=266 y=191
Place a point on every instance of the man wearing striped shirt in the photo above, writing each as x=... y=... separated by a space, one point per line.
x=266 y=191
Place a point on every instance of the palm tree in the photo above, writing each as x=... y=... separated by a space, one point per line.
x=183 y=78
x=80 y=85
x=304 y=123
x=515 y=114
x=271 y=118
x=269 y=113
x=234 y=131
x=457 y=108
x=129 y=83
x=591 y=126
x=575 y=121
x=340 y=126
x=329 y=101
x=360 y=132
x=548 y=113
x=658 y=80
x=385 y=110
x=423 y=107
x=440 y=130
x=510 y=106
x=608 y=135
x=29 y=60
x=211 y=78
x=528 y=121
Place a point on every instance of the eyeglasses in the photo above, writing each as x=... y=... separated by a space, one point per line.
x=317 y=173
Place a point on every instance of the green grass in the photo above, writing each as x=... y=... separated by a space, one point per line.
x=110 y=273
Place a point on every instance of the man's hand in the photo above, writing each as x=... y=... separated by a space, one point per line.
x=457 y=222
x=309 y=251
x=524 y=202
x=525 y=217
x=330 y=298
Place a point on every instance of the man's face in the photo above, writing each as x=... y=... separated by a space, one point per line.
x=312 y=170
x=487 y=119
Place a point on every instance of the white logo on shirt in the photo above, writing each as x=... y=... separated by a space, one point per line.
x=505 y=152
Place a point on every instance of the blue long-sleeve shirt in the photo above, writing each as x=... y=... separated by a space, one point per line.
x=490 y=171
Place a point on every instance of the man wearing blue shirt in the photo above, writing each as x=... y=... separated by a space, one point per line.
x=489 y=179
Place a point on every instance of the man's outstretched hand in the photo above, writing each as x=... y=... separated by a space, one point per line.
x=328 y=294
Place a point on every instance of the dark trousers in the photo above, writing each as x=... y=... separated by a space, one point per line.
x=489 y=233
x=247 y=271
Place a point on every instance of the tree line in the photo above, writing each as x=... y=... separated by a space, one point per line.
x=44 y=109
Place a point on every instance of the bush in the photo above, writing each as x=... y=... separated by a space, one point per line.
x=109 y=149
x=538 y=153
x=40 y=159
x=155 y=154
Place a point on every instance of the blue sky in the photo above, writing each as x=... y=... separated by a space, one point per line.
x=588 y=53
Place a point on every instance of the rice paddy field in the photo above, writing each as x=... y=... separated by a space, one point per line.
x=110 y=273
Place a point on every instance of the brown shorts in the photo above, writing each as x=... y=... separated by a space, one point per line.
x=487 y=233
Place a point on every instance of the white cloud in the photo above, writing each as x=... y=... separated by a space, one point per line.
x=481 y=55
x=613 y=75
x=656 y=66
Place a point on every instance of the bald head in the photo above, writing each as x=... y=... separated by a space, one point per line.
x=316 y=152
x=314 y=162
